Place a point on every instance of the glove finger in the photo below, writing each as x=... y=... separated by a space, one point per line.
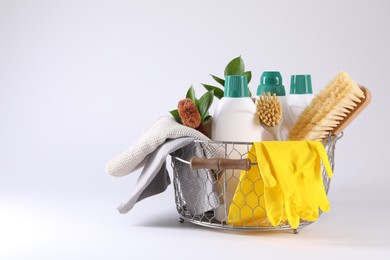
x=323 y=201
x=265 y=165
x=292 y=215
x=273 y=198
x=321 y=151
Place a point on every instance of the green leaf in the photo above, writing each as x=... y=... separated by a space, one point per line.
x=191 y=93
x=196 y=101
x=248 y=74
x=235 y=67
x=204 y=104
x=218 y=93
x=219 y=80
x=207 y=118
x=176 y=115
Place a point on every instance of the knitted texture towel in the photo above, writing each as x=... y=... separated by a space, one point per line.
x=154 y=177
x=134 y=158
x=150 y=152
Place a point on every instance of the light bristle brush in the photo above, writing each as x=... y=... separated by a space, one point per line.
x=269 y=110
x=331 y=110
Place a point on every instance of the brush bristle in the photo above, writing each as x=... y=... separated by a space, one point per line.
x=269 y=109
x=327 y=109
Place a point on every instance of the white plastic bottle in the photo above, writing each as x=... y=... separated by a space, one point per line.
x=234 y=120
x=271 y=81
x=301 y=94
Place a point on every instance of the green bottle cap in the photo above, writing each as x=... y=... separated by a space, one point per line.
x=300 y=84
x=271 y=81
x=236 y=86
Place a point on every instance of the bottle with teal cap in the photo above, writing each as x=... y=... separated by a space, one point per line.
x=234 y=120
x=301 y=94
x=271 y=81
x=235 y=116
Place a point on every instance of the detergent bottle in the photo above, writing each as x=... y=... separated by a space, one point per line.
x=301 y=94
x=234 y=120
x=235 y=116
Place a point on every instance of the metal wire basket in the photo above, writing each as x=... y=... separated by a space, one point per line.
x=206 y=173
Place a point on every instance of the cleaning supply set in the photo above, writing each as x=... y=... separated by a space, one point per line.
x=265 y=164
x=234 y=120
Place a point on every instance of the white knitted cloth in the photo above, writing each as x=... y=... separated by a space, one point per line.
x=165 y=136
x=154 y=177
x=164 y=128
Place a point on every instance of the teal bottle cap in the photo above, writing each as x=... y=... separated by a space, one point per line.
x=300 y=84
x=236 y=86
x=271 y=81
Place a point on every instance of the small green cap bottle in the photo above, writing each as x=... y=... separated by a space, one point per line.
x=300 y=84
x=236 y=86
x=271 y=81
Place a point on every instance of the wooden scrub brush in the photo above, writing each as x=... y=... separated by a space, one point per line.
x=269 y=110
x=331 y=110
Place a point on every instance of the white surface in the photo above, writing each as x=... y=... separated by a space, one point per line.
x=81 y=80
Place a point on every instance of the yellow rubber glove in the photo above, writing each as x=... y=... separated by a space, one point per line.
x=296 y=168
x=248 y=207
x=290 y=185
x=314 y=181
x=254 y=202
x=273 y=195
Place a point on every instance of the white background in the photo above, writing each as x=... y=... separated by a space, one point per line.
x=80 y=81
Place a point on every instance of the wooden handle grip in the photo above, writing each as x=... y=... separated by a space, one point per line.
x=220 y=164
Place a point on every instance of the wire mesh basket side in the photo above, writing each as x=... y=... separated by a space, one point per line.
x=199 y=194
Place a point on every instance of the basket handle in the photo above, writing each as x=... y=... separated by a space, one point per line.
x=220 y=164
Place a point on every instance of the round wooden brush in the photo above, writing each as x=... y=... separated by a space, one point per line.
x=269 y=110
